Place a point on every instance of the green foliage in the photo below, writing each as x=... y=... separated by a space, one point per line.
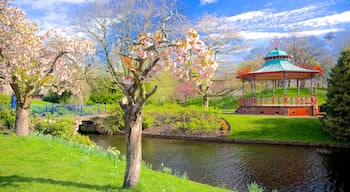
x=148 y=120
x=104 y=98
x=170 y=171
x=56 y=127
x=337 y=120
x=61 y=128
x=55 y=98
x=193 y=118
x=166 y=84
x=5 y=99
x=113 y=123
x=226 y=103
x=7 y=118
x=254 y=187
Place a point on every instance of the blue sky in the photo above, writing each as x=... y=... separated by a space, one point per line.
x=258 y=21
x=255 y=19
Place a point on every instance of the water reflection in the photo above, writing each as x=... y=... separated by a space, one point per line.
x=284 y=168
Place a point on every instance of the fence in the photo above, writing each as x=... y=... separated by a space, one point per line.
x=290 y=101
x=69 y=110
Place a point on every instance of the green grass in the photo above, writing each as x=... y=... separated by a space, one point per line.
x=223 y=103
x=40 y=102
x=277 y=128
x=37 y=163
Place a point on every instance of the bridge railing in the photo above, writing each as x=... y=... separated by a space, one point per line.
x=65 y=110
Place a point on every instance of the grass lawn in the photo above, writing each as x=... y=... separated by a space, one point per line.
x=39 y=102
x=277 y=128
x=35 y=163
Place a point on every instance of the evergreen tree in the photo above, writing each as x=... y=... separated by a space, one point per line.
x=337 y=121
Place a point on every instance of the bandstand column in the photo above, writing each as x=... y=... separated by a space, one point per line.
x=298 y=85
x=312 y=91
x=285 y=87
x=254 y=86
x=242 y=87
x=284 y=83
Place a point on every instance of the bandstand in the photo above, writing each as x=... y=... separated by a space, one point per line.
x=277 y=67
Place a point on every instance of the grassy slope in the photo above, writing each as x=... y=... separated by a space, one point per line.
x=277 y=128
x=39 y=164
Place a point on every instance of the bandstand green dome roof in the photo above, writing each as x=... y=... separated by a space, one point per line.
x=277 y=66
x=277 y=52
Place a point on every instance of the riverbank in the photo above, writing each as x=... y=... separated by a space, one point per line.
x=276 y=130
x=38 y=163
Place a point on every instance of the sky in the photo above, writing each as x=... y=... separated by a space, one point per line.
x=256 y=20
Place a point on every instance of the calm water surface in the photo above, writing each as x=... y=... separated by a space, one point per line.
x=285 y=168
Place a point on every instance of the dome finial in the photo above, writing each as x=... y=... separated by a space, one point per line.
x=276 y=40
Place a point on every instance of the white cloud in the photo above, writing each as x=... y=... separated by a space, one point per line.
x=246 y=16
x=49 y=14
x=267 y=23
x=203 y=2
x=251 y=35
x=320 y=31
x=334 y=19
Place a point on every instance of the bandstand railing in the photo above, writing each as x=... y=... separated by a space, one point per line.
x=279 y=101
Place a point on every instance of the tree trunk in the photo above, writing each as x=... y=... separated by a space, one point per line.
x=133 y=127
x=206 y=102
x=22 y=120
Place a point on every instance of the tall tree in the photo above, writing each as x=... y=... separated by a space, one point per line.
x=133 y=39
x=337 y=120
x=29 y=62
x=303 y=48
x=152 y=54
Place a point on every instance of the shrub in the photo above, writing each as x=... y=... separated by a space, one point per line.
x=113 y=123
x=5 y=99
x=56 y=127
x=104 y=98
x=148 y=121
x=61 y=128
x=7 y=118
x=193 y=118
x=55 y=98
x=254 y=187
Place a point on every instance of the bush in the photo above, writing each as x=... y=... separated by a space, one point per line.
x=193 y=118
x=55 y=98
x=62 y=128
x=5 y=99
x=104 y=98
x=254 y=187
x=113 y=123
x=7 y=118
x=148 y=121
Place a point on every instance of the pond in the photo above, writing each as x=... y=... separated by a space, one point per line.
x=284 y=168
